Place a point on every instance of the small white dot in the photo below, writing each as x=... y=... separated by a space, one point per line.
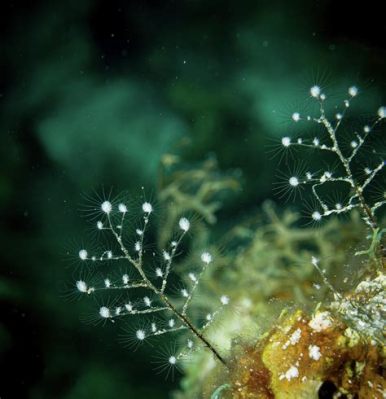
x=172 y=360
x=353 y=91
x=104 y=312
x=147 y=301
x=314 y=352
x=147 y=207
x=171 y=323
x=81 y=286
x=122 y=208
x=206 y=257
x=293 y=181
x=224 y=300
x=316 y=216
x=315 y=91
x=296 y=116
x=382 y=112
x=106 y=207
x=158 y=272
x=184 y=224
x=83 y=254
x=140 y=334
x=286 y=141
x=314 y=260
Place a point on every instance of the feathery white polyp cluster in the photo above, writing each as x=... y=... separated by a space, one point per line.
x=347 y=159
x=152 y=295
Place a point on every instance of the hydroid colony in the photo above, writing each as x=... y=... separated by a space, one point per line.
x=339 y=343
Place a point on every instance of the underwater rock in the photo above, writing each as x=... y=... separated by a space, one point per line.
x=303 y=356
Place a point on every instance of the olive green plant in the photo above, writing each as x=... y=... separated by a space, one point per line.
x=191 y=189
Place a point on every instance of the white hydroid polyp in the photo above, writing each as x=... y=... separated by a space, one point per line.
x=122 y=208
x=147 y=301
x=99 y=225
x=171 y=323
x=184 y=224
x=224 y=300
x=315 y=142
x=314 y=260
x=286 y=141
x=147 y=207
x=293 y=181
x=353 y=91
x=159 y=272
x=83 y=254
x=106 y=207
x=104 y=312
x=296 y=116
x=81 y=286
x=382 y=112
x=140 y=334
x=315 y=91
x=316 y=216
x=206 y=257
x=172 y=360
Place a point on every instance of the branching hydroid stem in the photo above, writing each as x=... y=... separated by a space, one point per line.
x=182 y=320
x=358 y=185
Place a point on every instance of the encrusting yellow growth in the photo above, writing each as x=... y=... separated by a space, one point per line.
x=303 y=357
